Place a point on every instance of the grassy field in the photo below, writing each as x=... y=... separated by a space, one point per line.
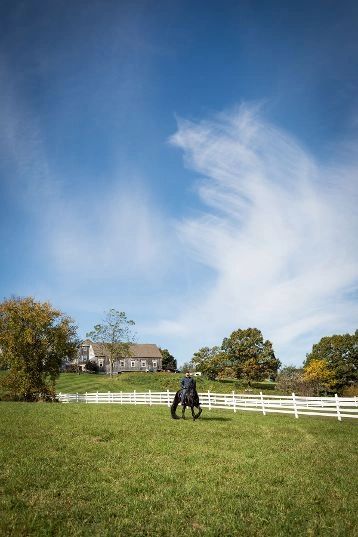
x=107 y=470
x=128 y=382
x=72 y=383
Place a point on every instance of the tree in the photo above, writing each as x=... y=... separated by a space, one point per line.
x=114 y=336
x=35 y=338
x=340 y=352
x=187 y=366
x=249 y=355
x=319 y=376
x=290 y=379
x=210 y=361
x=168 y=362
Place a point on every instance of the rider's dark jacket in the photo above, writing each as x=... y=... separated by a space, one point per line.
x=187 y=382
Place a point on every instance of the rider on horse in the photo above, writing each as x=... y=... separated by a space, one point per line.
x=187 y=384
x=187 y=396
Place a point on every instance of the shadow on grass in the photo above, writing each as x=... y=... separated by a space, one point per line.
x=214 y=418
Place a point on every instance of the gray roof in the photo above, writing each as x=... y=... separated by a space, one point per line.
x=137 y=350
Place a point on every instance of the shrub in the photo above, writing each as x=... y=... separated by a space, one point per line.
x=350 y=391
x=263 y=385
x=91 y=366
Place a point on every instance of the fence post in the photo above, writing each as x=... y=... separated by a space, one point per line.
x=150 y=398
x=234 y=401
x=355 y=400
x=168 y=395
x=294 y=404
x=337 y=405
x=263 y=404
x=59 y=397
x=209 y=400
x=86 y=397
x=77 y=397
x=121 y=398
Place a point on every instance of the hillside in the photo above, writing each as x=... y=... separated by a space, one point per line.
x=128 y=382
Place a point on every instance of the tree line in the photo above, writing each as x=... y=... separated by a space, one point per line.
x=36 y=338
x=331 y=366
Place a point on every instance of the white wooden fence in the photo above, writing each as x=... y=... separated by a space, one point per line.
x=339 y=407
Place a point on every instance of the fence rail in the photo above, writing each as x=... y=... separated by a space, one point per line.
x=339 y=407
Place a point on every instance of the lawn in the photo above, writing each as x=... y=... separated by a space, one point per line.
x=128 y=382
x=86 y=382
x=110 y=470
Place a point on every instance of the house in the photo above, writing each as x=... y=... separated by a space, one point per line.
x=142 y=357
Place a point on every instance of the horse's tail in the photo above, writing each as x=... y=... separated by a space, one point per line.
x=196 y=399
x=175 y=405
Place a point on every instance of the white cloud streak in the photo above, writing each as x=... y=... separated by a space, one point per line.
x=279 y=232
x=118 y=234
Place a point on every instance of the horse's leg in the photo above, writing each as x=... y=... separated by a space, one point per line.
x=183 y=412
x=200 y=411
x=193 y=413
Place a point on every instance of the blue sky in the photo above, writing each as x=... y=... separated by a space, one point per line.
x=191 y=163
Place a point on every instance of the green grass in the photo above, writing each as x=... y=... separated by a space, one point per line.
x=108 y=470
x=127 y=382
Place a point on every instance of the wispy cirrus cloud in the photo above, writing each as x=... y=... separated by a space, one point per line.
x=278 y=229
x=119 y=234
x=110 y=231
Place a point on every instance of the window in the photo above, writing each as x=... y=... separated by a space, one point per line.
x=154 y=363
x=85 y=353
x=132 y=363
x=121 y=363
x=100 y=363
x=143 y=363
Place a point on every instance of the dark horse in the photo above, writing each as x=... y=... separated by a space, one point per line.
x=191 y=399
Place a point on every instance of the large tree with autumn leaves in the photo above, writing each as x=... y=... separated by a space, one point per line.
x=244 y=354
x=35 y=338
x=250 y=355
